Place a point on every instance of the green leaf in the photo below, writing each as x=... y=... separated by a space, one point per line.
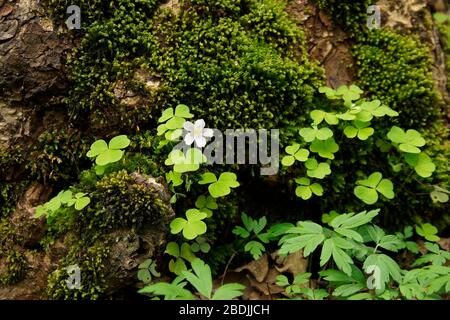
x=109 y=156
x=82 y=203
x=239 y=231
x=325 y=148
x=207 y=178
x=201 y=279
x=387 y=266
x=168 y=290
x=408 y=141
x=228 y=291
x=368 y=189
x=173 y=249
x=166 y=115
x=222 y=187
x=428 y=231
x=255 y=248
x=421 y=163
x=119 y=142
x=97 y=148
x=439 y=195
x=317 y=170
x=182 y=111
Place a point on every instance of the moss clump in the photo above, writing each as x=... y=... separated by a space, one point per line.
x=122 y=201
x=13 y=265
x=202 y=56
x=57 y=155
x=396 y=69
x=91 y=262
x=351 y=14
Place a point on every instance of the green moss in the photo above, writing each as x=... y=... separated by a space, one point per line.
x=91 y=262
x=203 y=56
x=351 y=14
x=120 y=201
x=57 y=155
x=13 y=265
x=397 y=69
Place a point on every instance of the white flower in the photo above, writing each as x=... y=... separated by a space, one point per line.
x=197 y=133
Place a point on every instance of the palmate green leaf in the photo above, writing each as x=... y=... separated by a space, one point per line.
x=360 y=130
x=239 y=231
x=318 y=116
x=305 y=190
x=332 y=247
x=255 y=248
x=351 y=220
x=170 y=291
x=368 y=189
x=325 y=148
x=192 y=227
x=201 y=278
x=409 y=141
x=314 y=133
x=294 y=153
x=223 y=185
x=389 y=269
x=311 y=236
x=317 y=170
x=228 y=291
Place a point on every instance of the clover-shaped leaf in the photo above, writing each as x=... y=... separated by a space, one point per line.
x=325 y=148
x=200 y=244
x=222 y=186
x=305 y=189
x=174 y=178
x=368 y=189
x=329 y=92
x=310 y=134
x=106 y=154
x=185 y=162
x=318 y=116
x=316 y=169
x=192 y=226
x=422 y=164
x=178 y=265
x=79 y=202
x=370 y=109
x=206 y=204
x=428 y=231
x=173 y=122
x=146 y=270
x=349 y=94
x=360 y=130
x=294 y=153
x=409 y=141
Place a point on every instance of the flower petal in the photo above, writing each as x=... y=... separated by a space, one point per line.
x=189 y=139
x=200 y=142
x=200 y=124
x=188 y=126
